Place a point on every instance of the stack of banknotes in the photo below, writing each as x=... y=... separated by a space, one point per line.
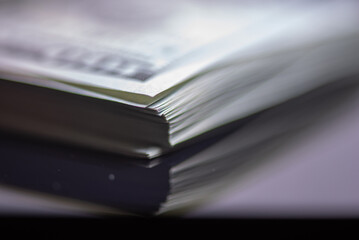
x=143 y=78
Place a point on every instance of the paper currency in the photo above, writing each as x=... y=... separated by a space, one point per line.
x=178 y=69
x=138 y=46
x=110 y=44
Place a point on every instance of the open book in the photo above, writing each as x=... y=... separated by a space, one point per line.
x=144 y=77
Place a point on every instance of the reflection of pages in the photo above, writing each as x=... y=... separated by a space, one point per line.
x=174 y=71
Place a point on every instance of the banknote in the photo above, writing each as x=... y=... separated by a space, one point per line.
x=113 y=44
x=144 y=48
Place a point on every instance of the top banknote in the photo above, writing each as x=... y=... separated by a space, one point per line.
x=147 y=47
